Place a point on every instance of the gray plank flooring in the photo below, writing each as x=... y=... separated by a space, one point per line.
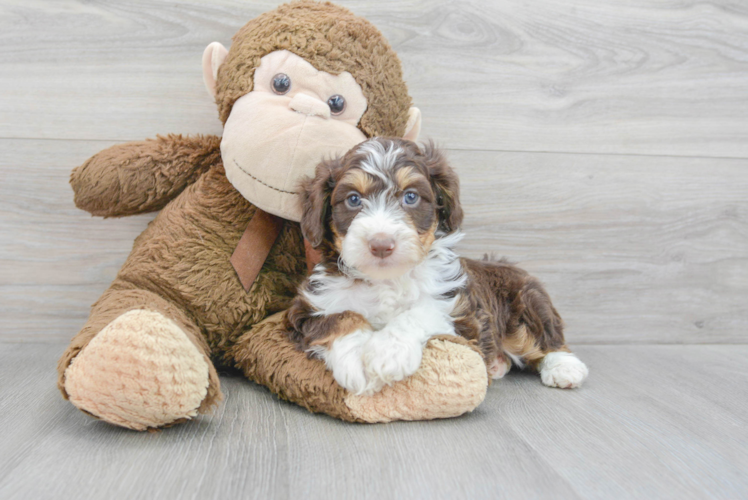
x=601 y=145
x=652 y=421
x=553 y=75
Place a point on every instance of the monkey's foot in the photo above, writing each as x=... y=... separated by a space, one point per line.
x=451 y=380
x=141 y=371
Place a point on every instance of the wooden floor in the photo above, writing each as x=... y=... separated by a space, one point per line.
x=652 y=422
x=602 y=145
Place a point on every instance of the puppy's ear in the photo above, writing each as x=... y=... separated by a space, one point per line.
x=446 y=185
x=315 y=201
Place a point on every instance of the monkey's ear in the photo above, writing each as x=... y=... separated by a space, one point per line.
x=213 y=57
x=413 y=127
x=315 y=201
x=446 y=184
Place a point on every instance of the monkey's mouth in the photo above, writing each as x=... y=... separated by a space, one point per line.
x=266 y=170
x=244 y=170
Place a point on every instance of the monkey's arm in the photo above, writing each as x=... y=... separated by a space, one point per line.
x=143 y=176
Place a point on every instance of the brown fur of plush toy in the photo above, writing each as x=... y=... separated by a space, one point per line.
x=333 y=40
x=137 y=370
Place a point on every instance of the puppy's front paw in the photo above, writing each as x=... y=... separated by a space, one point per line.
x=345 y=360
x=350 y=375
x=388 y=359
x=562 y=369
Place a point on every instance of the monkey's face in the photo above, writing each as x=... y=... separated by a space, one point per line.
x=276 y=134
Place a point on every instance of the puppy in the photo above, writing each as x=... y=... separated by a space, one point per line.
x=385 y=218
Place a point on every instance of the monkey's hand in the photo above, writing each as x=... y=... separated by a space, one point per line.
x=143 y=176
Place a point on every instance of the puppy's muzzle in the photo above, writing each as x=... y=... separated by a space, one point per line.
x=381 y=245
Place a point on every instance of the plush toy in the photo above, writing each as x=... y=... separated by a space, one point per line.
x=303 y=82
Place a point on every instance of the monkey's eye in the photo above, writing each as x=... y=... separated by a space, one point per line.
x=353 y=200
x=281 y=83
x=337 y=104
x=411 y=198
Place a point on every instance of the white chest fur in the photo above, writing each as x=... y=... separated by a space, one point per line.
x=381 y=301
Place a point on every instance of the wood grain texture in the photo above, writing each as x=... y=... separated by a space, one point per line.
x=620 y=436
x=554 y=75
x=55 y=260
x=632 y=249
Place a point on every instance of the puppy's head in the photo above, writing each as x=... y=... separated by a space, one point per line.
x=381 y=206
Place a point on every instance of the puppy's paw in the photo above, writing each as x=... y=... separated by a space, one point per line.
x=389 y=359
x=350 y=375
x=499 y=367
x=562 y=369
x=345 y=360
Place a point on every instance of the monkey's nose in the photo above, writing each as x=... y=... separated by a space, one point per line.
x=381 y=245
x=308 y=105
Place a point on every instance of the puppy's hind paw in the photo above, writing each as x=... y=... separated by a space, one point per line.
x=562 y=369
x=499 y=367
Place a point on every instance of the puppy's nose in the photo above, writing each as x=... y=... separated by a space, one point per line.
x=381 y=245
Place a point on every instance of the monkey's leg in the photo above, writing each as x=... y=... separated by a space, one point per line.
x=451 y=380
x=139 y=362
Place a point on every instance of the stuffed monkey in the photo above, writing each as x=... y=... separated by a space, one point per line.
x=303 y=82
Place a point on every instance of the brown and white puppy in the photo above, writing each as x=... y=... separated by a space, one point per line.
x=385 y=218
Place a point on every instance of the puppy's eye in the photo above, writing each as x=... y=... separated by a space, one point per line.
x=411 y=198
x=337 y=104
x=281 y=83
x=353 y=200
